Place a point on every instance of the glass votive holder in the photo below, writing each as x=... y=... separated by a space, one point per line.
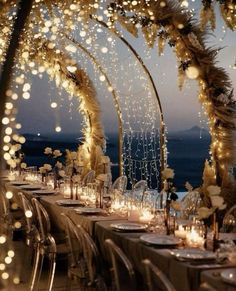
x=181 y=231
x=195 y=239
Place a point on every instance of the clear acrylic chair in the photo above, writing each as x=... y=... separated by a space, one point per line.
x=45 y=246
x=190 y=204
x=30 y=227
x=84 y=261
x=229 y=221
x=93 y=262
x=139 y=189
x=122 y=269
x=120 y=185
x=88 y=178
x=155 y=278
x=5 y=214
x=76 y=262
x=10 y=213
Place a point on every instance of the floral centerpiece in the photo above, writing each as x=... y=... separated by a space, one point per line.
x=209 y=213
x=44 y=170
x=169 y=189
x=73 y=170
x=56 y=167
x=168 y=185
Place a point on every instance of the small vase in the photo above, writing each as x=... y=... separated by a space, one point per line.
x=215 y=239
x=167 y=217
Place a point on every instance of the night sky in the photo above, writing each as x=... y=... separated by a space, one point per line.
x=181 y=109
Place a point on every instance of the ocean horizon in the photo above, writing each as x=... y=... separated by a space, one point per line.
x=187 y=152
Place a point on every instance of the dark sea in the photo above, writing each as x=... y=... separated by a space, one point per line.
x=187 y=153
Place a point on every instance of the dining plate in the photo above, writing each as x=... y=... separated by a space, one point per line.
x=88 y=210
x=128 y=226
x=19 y=183
x=44 y=192
x=69 y=202
x=160 y=240
x=193 y=254
x=229 y=276
x=31 y=187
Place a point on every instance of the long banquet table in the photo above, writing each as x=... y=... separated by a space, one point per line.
x=185 y=276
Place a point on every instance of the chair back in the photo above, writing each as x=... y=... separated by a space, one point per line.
x=190 y=203
x=155 y=278
x=91 y=255
x=120 y=184
x=4 y=204
x=28 y=211
x=74 y=241
x=229 y=221
x=44 y=225
x=139 y=189
x=88 y=178
x=120 y=262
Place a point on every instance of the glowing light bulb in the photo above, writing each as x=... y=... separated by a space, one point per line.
x=11 y=253
x=9 y=194
x=192 y=72
x=58 y=129
x=102 y=78
x=28 y=213
x=3 y=239
x=54 y=105
x=5 y=276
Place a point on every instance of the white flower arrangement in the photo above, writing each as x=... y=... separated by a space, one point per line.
x=48 y=151
x=56 y=153
x=23 y=165
x=62 y=173
x=59 y=165
x=168 y=173
x=47 y=167
x=216 y=201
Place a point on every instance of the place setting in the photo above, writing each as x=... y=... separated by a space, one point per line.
x=160 y=240
x=229 y=276
x=69 y=203
x=129 y=227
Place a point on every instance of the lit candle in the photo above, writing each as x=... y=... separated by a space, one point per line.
x=181 y=232
x=133 y=215
x=193 y=239
x=146 y=216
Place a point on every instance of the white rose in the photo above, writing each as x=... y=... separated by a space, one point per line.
x=168 y=173
x=47 y=151
x=57 y=153
x=222 y=207
x=62 y=173
x=213 y=190
x=47 y=167
x=23 y=165
x=59 y=165
x=73 y=155
x=217 y=201
x=42 y=170
x=204 y=212
x=76 y=178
